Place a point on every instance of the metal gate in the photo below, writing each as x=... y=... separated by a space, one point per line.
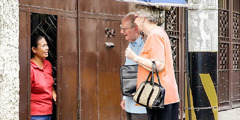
x=174 y=26
x=88 y=84
x=228 y=55
x=87 y=71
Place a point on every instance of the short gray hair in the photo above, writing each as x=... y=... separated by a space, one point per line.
x=130 y=16
x=152 y=13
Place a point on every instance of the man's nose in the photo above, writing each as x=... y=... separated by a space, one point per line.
x=122 y=31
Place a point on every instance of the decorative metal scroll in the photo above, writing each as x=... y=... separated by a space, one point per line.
x=109 y=32
x=236 y=56
x=173 y=33
x=223 y=23
x=236 y=25
x=223 y=55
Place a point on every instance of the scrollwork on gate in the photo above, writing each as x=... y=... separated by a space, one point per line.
x=236 y=25
x=223 y=55
x=109 y=32
x=236 y=52
x=223 y=23
x=173 y=32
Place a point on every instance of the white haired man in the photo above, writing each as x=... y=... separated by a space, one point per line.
x=132 y=34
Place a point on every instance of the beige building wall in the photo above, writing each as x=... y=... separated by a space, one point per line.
x=9 y=60
x=203 y=25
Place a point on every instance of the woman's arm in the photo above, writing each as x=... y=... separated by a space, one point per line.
x=146 y=63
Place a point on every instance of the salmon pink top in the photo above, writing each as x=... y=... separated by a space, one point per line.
x=157 y=47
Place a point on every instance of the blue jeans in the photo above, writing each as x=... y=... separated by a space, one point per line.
x=41 y=117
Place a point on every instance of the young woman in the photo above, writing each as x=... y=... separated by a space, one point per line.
x=42 y=91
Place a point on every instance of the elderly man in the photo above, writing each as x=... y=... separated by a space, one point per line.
x=131 y=34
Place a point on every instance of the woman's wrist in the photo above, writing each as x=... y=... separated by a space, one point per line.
x=137 y=59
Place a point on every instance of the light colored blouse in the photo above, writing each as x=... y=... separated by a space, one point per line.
x=157 y=47
x=130 y=105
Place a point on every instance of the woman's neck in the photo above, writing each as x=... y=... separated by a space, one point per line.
x=38 y=61
x=148 y=28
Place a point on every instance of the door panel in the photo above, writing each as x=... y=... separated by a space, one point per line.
x=57 y=4
x=100 y=82
x=228 y=55
x=24 y=60
x=108 y=71
x=88 y=67
x=107 y=7
x=68 y=69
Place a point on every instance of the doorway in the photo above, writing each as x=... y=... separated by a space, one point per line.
x=46 y=25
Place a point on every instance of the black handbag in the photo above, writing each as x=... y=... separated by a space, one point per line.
x=128 y=77
x=149 y=93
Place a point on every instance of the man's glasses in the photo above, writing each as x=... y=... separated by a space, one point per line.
x=124 y=29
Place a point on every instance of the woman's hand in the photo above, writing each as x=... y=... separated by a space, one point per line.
x=131 y=55
x=54 y=95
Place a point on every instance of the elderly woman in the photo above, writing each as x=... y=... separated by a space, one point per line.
x=157 y=48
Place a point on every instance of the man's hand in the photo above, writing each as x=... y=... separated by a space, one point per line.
x=123 y=104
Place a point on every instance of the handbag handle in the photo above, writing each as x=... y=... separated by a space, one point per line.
x=156 y=73
x=152 y=74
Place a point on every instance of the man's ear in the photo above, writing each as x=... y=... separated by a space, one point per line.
x=136 y=29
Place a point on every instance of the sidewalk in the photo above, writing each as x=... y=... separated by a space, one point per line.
x=233 y=114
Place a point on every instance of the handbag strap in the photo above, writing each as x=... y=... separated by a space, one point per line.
x=154 y=66
x=150 y=73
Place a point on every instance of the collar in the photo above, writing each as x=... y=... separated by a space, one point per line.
x=139 y=41
x=36 y=66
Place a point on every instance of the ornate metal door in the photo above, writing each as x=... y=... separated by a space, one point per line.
x=174 y=26
x=229 y=53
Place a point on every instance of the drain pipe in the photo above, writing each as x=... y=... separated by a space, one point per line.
x=187 y=65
